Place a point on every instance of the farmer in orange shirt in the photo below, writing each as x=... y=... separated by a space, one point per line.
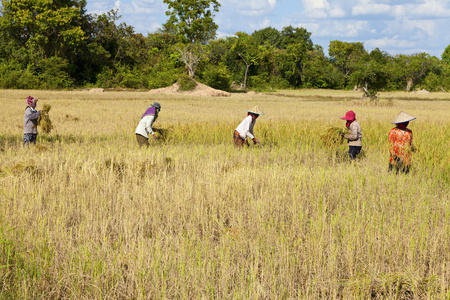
x=400 y=144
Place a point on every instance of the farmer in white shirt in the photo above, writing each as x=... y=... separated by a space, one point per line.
x=245 y=129
x=145 y=125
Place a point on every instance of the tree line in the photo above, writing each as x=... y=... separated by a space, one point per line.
x=57 y=45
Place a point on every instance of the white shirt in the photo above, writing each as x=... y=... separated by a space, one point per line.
x=145 y=126
x=245 y=129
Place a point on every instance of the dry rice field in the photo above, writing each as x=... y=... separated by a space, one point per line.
x=87 y=214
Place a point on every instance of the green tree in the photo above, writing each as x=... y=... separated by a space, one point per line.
x=346 y=56
x=411 y=69
x=292 y=62
x=192 y=20
x=372 y=73
x=52 y=27
x=268 y=36
x=437 y=75
x=291 y=35
x=446 y=55
x=243 y=55
x=319 y=72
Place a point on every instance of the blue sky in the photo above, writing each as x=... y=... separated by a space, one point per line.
x=394 y=26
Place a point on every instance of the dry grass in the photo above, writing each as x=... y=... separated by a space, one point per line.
x=332 y=136
x=88 y=215
x=44 y=119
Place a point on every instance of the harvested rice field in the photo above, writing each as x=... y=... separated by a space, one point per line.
x=87 y=214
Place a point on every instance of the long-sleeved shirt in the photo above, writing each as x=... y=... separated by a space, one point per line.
x=245 y=129
x=354 y=134
x=30 y=120
x=145 y=126
x=400 y=143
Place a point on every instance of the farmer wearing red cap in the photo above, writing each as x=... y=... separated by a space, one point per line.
x=354 y=134
x=400 y=144
x=30 y=121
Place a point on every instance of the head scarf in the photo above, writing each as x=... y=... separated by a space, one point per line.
x=31 y=102
x=152 y=110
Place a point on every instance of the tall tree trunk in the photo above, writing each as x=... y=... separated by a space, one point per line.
x=246 y=72
x=409 y=84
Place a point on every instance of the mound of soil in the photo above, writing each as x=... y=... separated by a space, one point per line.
x=97 y=90
x=422 y=91
x=200 y=90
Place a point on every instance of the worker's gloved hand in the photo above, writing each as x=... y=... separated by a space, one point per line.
x=255 y=140
x=154 y=137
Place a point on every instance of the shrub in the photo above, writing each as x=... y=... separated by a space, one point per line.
x=186 y=83
x=13 y=78
x=217 y=77
x=161 y=79
x=52 y=73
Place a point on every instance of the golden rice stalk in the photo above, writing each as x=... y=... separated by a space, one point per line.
x=44 y=119
x=163 y=133
x=332 y=137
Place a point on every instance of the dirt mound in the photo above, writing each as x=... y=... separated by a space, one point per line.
x=200 y=90
x=422 y=91
x=97 y=90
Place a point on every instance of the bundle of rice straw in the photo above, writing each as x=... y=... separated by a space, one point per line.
x=44 y=119
x=163 y=133
x=332 y=137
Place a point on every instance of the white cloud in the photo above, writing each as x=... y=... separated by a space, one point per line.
x=431 y=8
x=316 y=4
x=250 y=7
x=388 y=43
x=371 y=9
x=337 y=29
x=337 y=12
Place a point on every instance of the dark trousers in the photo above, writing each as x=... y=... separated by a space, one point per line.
x=399 y=166
x=142 y=140
x=29 y=138
x=353 y=151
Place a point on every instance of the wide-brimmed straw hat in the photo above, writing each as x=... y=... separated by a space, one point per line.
x=349 y=116
x=403 y=117
x=256 y=110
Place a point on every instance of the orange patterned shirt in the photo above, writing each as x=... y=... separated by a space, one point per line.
x=400 y=142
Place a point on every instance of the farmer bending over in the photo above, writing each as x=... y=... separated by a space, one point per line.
x=245 y=129
x=144 y=127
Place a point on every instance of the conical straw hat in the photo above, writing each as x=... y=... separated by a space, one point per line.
x=403 y=117
x=256 y=110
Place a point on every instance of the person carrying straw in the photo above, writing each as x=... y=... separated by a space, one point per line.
x=30 y=121
x=354 y=134
x=245 y=128
x=400 y=144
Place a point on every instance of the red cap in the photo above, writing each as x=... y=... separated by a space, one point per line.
x=349 y=116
